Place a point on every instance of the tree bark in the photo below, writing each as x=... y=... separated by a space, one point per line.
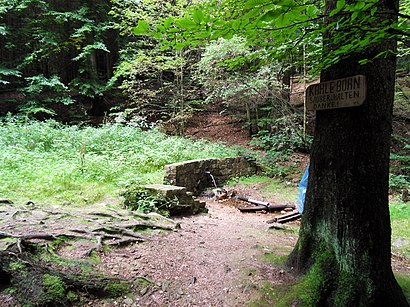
x=345 y=233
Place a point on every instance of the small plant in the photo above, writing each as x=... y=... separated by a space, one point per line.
x=400 y=169
x=145 y=201
x=399 y=182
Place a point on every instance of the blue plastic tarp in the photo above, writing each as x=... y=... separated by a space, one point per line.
x=302 y=190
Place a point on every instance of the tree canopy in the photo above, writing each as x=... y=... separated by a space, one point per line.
x=279 y=29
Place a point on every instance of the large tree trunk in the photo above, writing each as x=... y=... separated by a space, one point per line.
x=345 y=233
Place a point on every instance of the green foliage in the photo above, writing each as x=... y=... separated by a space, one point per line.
x=156 y=82
x=47 y=45
x=148 y=80
x=243 y=79
x=280 y=27
x=235 y=82
x=17 y=266
x=403 y=56
x=284 y=137
x=399 y=166
x=399 y=182
x=41 y=92
x=52 y=162
x=8 y=72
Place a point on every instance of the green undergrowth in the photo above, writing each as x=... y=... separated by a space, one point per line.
x=51 y=162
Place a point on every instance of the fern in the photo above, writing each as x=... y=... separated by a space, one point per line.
x=7 y=72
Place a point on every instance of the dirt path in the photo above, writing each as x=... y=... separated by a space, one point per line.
x=213 y=260
x=223 y=258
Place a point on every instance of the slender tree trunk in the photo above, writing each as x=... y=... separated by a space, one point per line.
x=285 y=93
x=345 y=234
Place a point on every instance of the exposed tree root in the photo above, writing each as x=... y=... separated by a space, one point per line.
x=32 y=233
x=114 y=228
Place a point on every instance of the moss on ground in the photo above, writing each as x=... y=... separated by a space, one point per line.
x=55 y=289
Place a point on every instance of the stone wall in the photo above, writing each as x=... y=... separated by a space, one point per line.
x=195 y=175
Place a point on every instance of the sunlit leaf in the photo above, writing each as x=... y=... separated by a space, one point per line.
x=252 y=3
x=141 y=28
x=185 y=23
x=339 y=6
x=198 y=16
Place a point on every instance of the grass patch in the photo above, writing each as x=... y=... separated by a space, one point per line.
x=275 y=259
x=271 y=187
x=400 y=216
x=54 y=163
x=404 y=283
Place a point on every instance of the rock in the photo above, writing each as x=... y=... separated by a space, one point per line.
x=144 y=291
x=195 y=175
x=400 y=242
x=186 y=204
x=128 y=301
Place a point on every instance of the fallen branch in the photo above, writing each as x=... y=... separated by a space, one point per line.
x=269 y=208
x=285 y=218
x=261 y=205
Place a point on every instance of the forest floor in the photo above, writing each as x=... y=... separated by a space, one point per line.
x=215 y=259
x=222 y=258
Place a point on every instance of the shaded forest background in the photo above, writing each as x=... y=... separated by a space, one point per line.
x=81 y=62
